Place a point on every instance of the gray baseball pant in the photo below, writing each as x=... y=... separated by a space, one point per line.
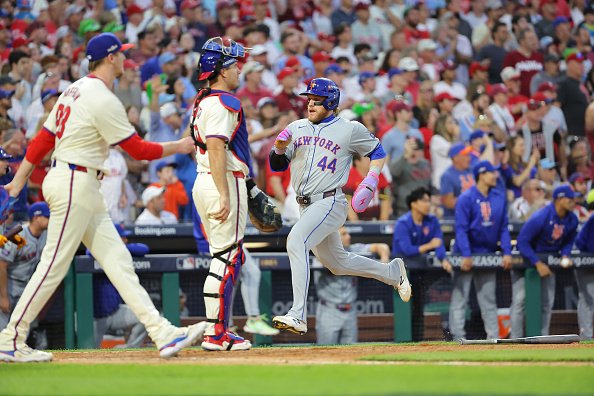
x=121 y=319
x=484 y=283
x=334 y=327
x=317 y=230
x=585 y=283
x=518 y=304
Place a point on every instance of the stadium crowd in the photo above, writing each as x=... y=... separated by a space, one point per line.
x=445 y=85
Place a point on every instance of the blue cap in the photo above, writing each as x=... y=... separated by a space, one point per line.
x=39 y=209
x=559 y=20
x=121 y=230
x=4 y=155
x=546 y=163
x=6 y=94
x=482 y=167
x=364 y=76
x=477 y=134
x=166 y=57
x=165 y=98
x=104 y=44
x=459 y=149
x=45 y=95
x=333 y=68
x=394 y=71
x=565 y=191
x=165 y=163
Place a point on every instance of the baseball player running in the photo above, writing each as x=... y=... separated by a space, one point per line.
x=221 y=191
x=321 y=149
x=86 y=120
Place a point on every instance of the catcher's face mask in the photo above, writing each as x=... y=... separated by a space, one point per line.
x=217 y=54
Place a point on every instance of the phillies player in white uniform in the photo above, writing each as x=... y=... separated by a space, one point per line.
x=321 y=151
x=85 y=121
x=220 y=191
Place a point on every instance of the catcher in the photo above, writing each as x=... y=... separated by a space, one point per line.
x=222 y=192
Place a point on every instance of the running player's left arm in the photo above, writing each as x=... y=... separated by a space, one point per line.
x=363 y=142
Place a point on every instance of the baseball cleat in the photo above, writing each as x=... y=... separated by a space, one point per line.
x=227 y=341
x=183 y=338
x=25 y=354
x=403 y=285
x=259 y=326
x=290 y=323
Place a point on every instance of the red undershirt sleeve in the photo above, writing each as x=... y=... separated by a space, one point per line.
x=140 y=149
x=41 y=144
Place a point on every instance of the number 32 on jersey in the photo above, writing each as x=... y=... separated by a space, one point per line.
x=62 y=115
x=330 y=165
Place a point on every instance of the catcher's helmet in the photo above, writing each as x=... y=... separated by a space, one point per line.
x=324 y=87
x=217 y=54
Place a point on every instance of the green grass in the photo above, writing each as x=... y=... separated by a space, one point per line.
x=124 y=379
x=509 y=355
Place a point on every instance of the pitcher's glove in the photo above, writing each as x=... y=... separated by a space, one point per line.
x=264 y=215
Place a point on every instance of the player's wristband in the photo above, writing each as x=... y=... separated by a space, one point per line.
x=252 y=189
x=278 y=151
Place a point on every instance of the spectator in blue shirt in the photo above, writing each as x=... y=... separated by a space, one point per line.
x=345 y=14
x=456 y=179
x=585 y=282
x=417 y=232
x=551 y=229
x=481 y=223
x=393 y=141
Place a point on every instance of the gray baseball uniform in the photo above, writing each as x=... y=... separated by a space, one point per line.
x=22 y=264
x=336 y=316
x=320 y=156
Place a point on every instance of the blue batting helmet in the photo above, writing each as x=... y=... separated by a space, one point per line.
x=4 y=155
x=324 y=87
x=217 y=54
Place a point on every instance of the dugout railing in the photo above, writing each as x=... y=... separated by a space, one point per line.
x=79 y=288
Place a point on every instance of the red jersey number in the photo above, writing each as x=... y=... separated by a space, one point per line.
x=62 y=115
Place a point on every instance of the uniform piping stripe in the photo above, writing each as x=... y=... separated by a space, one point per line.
x=307 y=258
x=51 y=263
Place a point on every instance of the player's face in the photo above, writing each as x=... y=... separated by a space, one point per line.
x=3 y=167
x=118 y=64
x=568 y=204
x=43 y=222
x=423 y=205
x=316 y=113
x=232 y=76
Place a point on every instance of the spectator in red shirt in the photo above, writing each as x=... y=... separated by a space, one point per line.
x=411 y=20
x=526 y=59
x=175 y=194
x=277 y=184
x=253 y=89
x=287 y=99
x=380 y=206
x=4 y=42
x=445 y=102
x=516 y=101
x=146 y=49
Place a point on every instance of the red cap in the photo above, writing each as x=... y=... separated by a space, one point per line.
x=326 y=37
x=401 y=105
x=538 y=97
x=189 y=4
x=287 y=71
x=130 y=64
x=320 y=56
x=361 y=6
x=19 y=42
x=547 y=86
x=444 y=95
x=575 y=56
x=474 y=66
x=225 y=4
x=498 y=88
x=292 y=62
x=19 y=25
x=133 y=9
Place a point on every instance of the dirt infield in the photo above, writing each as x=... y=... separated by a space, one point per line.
x=295 y=355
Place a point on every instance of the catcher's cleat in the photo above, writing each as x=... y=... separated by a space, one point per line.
x=290 y=323
x=402 y=284
x=227 y=341
x=25 y=354
x=183 y=338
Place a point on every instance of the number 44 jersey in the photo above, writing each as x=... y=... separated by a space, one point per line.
x=321 y=154
x=84 y=132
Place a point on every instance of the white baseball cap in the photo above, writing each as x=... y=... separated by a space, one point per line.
x=168 y=109
x=251 y=66
x=150 y=193
x=509 y=73
x=408 y=64
x=258 y=49
x=426 y=44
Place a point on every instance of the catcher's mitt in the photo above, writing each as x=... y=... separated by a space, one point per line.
x=264 y=215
